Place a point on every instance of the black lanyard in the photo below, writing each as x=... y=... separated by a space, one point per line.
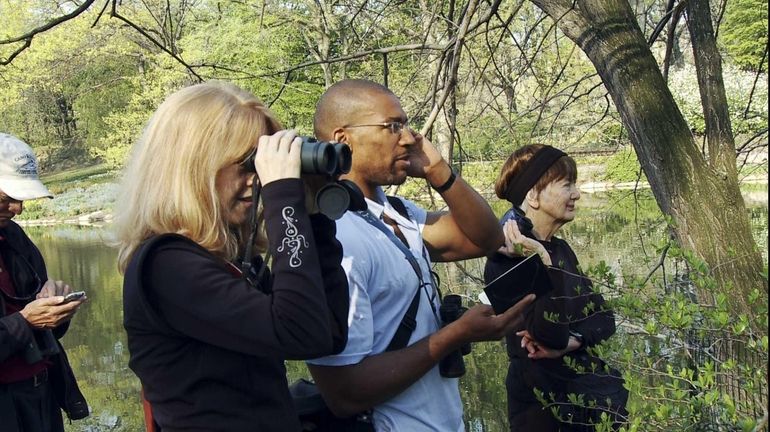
x=409 y=321
x=380 y=225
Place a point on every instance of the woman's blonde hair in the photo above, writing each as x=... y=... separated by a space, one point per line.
x=169 y=185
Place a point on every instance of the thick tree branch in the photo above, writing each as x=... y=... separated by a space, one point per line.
x=708 y=66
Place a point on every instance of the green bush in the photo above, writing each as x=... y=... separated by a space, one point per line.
x=623 y=167
x=688 y=364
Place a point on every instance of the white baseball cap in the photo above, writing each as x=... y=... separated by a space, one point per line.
x=18 y=170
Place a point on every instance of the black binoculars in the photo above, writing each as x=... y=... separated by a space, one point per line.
x=453 y=365
x=332 y=160
x=319 y=157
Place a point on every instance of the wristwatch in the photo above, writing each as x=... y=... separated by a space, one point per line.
x=578 y=337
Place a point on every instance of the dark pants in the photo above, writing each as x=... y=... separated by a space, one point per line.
x=525 y=412
x=30 y=406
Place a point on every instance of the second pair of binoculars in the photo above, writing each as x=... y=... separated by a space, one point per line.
x=319 y=157
x=453 y=365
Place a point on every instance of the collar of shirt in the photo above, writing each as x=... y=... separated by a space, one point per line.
x=409 y=228
x=382 y=205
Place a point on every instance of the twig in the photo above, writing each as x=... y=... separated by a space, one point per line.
x=50 y=24
x=114 y=13
x=660 y=264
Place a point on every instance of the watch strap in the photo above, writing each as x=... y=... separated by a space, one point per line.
x=447 y=184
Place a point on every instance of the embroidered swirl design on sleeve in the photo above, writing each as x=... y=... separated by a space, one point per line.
x=294 y=241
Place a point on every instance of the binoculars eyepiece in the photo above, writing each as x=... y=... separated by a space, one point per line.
x=321 y=157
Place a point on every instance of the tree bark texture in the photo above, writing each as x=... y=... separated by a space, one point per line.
x=703 y=199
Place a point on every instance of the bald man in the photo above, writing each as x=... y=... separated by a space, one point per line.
x=403 y=386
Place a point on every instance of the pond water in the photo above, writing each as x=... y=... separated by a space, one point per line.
x=609 y=227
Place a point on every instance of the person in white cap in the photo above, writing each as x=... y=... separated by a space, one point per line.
x=35 y=377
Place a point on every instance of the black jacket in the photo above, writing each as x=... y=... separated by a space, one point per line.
x=16 y=334
x=208 y=348
x=573 y=305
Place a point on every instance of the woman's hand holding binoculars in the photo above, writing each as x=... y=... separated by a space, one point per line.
x=278 y=156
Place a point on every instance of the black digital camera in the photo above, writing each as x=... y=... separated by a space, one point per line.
x=453 y=365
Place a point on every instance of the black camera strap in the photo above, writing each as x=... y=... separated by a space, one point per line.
x=409 y=321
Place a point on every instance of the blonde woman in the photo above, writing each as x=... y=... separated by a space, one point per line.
x=207 y=343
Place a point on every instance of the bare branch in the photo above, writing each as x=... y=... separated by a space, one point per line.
x=662 y=23
x=114 y=13
x=360 y=54
x=454 y=65
x=280 y=91
x=671 y=38
x=101 y=13
x=27 y=37
x=13 y=55
x=754 y=85
x=50 y=24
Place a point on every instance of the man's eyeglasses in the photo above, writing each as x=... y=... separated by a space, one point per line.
x=395 y=127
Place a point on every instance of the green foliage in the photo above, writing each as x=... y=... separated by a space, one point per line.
x=744 y=32
x=82 y=92
x=738 y=87
x=623 y=166
x=684 y=360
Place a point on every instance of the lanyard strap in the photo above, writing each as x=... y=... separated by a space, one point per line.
x=380 y=225
x=409 y=321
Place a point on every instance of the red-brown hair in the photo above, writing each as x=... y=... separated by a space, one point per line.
x=563 y=168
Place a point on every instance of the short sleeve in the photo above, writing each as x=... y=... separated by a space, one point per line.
x=360 y=320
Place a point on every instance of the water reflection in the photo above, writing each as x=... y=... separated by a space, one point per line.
x=96 y=340
x=609 y=228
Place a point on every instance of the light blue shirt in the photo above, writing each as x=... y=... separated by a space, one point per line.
x=382 y=285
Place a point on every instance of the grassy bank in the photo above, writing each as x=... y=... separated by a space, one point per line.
x=77 y=191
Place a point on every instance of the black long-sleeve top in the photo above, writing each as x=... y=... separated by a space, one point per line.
x=209 y=348
x=572 y=305
x=15 y=332
x=27 y=267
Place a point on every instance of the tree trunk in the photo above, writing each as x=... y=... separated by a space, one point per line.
x=704 y=202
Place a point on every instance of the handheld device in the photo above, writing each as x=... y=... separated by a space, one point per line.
x=527 y=275
x=77 y=295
